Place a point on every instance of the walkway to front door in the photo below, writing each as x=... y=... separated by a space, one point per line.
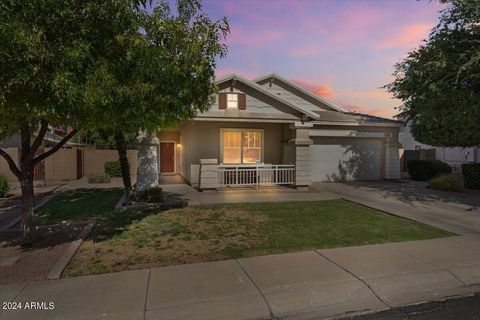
x=167 y=157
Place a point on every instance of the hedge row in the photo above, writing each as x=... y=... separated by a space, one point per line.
x=471 y=175
x=424 y=170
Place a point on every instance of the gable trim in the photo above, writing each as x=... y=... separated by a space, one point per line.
x=259 y=88
x=300 y=88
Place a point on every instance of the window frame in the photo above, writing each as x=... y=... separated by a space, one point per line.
x=228 y=100
x=241 y=130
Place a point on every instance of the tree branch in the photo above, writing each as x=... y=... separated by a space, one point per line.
x=38 y=139
x=45 y=155
x=11 y=163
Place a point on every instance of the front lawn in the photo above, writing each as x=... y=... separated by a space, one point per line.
x=135 y=239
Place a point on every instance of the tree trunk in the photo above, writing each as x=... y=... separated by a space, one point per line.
x=26 y=184
x=28 y=203
x=124 y=165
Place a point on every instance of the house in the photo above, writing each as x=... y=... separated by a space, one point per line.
x=272 y=131
x=414 y=150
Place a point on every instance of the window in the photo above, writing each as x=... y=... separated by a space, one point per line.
x=242 y=146
x=232 y=101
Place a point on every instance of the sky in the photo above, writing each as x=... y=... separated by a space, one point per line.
x=343 y=50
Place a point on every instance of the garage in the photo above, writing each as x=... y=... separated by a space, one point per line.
x=346 y=159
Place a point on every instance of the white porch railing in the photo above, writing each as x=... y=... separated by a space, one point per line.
x=255 y=175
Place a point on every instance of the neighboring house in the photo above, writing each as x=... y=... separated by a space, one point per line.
x=413 y=149
x=272 y=131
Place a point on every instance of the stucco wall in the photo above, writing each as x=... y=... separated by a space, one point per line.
x=4 y=168
x=201 y=140
x=94 y=160
x=61 y=166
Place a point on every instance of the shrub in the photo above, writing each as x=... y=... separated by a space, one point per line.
x=424 y=170
x=471 y=175
x=98 y=179
x=4 y=187
x=446 y=182
x=152 y=195
x=112 y=168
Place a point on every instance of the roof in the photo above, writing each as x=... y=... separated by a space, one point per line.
x=355 y=117
x=299 y=88
x=254 y=85
x=337 y=114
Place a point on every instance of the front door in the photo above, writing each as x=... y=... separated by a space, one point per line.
x=167 y=157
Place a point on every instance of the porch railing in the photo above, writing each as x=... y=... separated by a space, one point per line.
x=256 y=175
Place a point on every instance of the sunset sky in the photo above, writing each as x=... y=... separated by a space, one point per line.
x=342 y=50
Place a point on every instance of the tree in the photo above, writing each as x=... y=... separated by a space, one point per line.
x=49 y=49
x=439 y=83
x=160 y=76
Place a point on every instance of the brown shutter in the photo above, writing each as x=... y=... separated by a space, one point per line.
x=222 y=101
x=242 y=101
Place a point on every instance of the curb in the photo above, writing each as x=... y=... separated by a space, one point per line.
x=61 y=264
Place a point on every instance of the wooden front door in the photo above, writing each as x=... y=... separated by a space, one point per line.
x=167 y=157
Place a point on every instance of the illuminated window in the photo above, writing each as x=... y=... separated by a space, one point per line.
x=242 y=146
x=232 y=101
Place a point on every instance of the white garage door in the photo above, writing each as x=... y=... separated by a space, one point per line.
x=344 y=159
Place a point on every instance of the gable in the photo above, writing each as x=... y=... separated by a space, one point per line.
x=260 y=103
x=295 y=93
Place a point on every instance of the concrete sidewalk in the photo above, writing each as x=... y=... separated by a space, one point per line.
x=264 y=194
x=312 y=284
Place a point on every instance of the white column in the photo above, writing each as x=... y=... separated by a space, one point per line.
x=392 y=159
x=147 y=164
x=302 y=142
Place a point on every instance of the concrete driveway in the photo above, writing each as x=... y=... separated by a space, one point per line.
x=453 y=211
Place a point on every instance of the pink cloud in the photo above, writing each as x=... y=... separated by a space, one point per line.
x=304 y=52
x=407 y=37
x=323 y=90
x=244 y=36
x=220 y=72
x=382 y=112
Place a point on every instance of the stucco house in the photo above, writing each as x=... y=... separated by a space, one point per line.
x=272 y=131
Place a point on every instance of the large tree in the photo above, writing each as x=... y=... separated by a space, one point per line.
x=162 y=75
x=439 y=83
x=49 y=49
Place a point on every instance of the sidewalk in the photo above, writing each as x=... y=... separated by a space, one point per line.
x=311 y=284
x=264 y=194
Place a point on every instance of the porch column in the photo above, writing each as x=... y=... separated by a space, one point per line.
x=302 y=142
x=147 y=164
x=208 y=174
x=392 y=159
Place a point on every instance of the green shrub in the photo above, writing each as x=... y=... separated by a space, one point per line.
x=446 y=182
x=424 y=170
x=471 y=175
x=112 y=168
x=98 y=179
x=152 y=195
x=4 y=187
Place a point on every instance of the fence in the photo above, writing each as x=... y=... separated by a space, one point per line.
x=256 y=175
x=69 y=164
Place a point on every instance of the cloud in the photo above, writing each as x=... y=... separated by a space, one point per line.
x=304 y=52
x=408 y=37
x=254 y=38
x=249 y=74
x=382 y=112
x=323 y=90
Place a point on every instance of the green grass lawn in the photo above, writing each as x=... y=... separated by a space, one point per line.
x=135 y=239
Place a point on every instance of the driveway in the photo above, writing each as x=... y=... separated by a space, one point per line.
x=453 y=211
